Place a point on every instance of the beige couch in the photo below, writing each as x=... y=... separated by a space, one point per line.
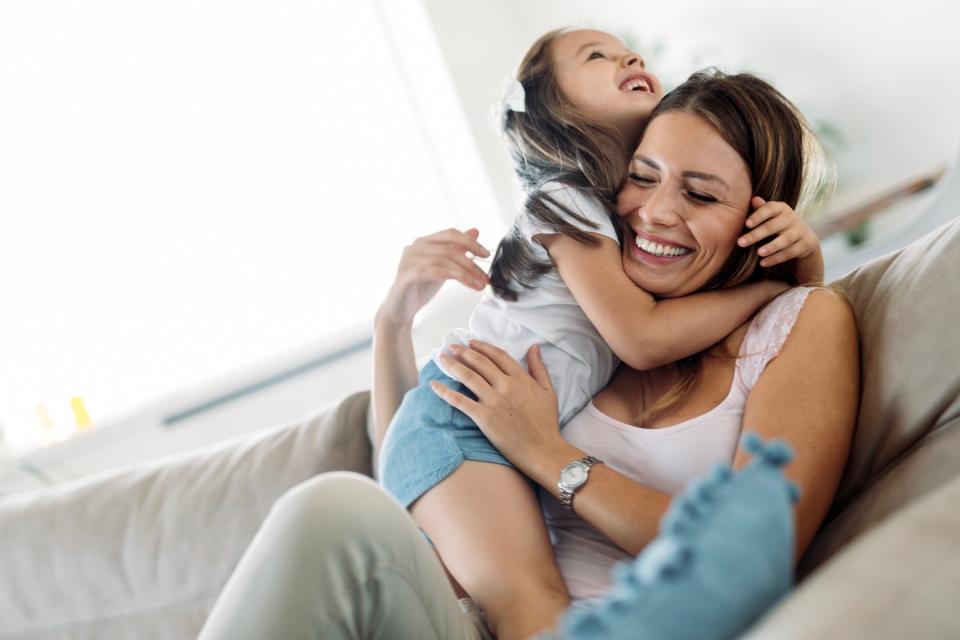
x=143 y=552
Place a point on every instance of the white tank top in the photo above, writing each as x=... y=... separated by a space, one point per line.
x=666 y=458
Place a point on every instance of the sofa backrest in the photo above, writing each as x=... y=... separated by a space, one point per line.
x=907 y=439
x=143 y=552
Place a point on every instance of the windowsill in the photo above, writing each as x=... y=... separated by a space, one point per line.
x=196 y=416
x=282 y=389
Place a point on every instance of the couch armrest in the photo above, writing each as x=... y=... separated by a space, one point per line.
x=900 y=580
x=144 y=551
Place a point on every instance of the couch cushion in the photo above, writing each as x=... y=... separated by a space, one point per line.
x=900 y=580
x=906 y=304
x=150 y=547
x=932 y=462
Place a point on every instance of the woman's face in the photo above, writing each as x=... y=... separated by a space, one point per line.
x=683 y=205
x=605 y=80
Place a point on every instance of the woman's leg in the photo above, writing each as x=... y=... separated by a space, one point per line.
x=339 y=558
x=485 y=521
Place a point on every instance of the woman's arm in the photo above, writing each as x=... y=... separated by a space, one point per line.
x=623 y=510
x=808 y=395
x=425 y=265
x=517 y=411
x=394 y=369
x=644 y=332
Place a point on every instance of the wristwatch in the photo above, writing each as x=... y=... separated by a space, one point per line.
x=572 y=477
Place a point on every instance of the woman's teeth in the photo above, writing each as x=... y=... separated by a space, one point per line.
x=657 y=249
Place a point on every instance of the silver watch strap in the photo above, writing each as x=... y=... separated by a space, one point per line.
x=566 y=497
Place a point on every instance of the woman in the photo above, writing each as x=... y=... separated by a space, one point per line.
x=340 y=559
x=580 y=101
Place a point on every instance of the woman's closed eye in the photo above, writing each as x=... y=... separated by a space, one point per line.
x=642 y=180
x=701 y=197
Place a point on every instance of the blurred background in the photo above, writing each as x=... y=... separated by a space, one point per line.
x=203 y=202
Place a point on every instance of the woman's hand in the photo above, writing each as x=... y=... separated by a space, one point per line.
x=426 y=264
x=516 y=410
x=794 y=237
x=424 y=267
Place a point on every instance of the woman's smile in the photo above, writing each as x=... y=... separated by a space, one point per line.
x=655 y=250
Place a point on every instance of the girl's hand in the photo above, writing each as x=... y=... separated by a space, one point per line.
x=426 y=264
x=795 y=239
x=517 y=411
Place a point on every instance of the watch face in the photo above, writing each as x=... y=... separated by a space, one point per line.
x=573 y=475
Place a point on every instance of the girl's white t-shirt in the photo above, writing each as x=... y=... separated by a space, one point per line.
x=579 y=361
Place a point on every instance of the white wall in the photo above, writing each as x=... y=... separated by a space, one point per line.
x=876 y=71
x=259 y=254
x=883 y=73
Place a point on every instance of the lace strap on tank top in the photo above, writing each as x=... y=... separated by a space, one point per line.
x=769 y=330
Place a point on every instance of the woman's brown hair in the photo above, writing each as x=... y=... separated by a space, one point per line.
x=785 y=161
x=551 y=141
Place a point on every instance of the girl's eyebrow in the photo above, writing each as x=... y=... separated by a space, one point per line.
x=696 y=175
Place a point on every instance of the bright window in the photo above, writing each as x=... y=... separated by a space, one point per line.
x=188 y=187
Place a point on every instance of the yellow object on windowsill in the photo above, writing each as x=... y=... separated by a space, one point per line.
x=80 y=414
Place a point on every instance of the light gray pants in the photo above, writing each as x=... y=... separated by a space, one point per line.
x=339 y=558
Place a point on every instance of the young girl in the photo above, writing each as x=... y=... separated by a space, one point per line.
x=578 y=109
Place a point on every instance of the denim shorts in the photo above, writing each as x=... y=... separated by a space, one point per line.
x=428 y=439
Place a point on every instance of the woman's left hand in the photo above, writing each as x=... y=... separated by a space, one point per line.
x=516 y=410
x=794 y=237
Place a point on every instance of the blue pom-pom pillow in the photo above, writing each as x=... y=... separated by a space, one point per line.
x=723 y=556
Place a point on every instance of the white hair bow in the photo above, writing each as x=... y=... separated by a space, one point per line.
x=514 y=97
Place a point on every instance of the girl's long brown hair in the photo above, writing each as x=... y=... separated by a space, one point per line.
x=551 y=141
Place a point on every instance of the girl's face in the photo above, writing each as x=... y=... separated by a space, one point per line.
x=605 y=80
x=683 y=205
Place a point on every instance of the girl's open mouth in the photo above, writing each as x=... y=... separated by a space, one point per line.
x=636 y=83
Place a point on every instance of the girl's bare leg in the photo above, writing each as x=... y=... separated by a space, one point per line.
x=457 y=589
x=486 y=523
